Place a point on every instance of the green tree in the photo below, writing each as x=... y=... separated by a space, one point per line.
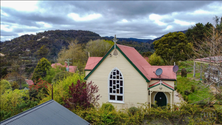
x=75 y=53
x=60 y=76
x=41 y=69
x=98 y=48
x=218 y=23
x=173 y=47
x=42 y=52
x=15 y=85
x=154 y=59
x=3 y=72
x=147 y=54
x=51 y=74
x=198 y=33
x=4 y=85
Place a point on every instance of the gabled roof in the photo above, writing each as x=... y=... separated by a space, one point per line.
x=91 y=62
x=72 y=69
x=54 y=65
x=48 y=113
x=161 y=83
x=133 y=56
x=137 y=61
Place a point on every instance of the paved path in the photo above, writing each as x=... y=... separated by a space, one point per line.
x=178 y=98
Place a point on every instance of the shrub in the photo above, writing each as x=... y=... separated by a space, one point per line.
x=51 y=74
x=183 y=72
x=218 y=96
x=60 y=76
x=82 y=95
x=40 y=85
x=15 y=85
x=133 y=110
x=154 y=59
x=187 y=92
x=107 y=107
x=193 y=88
x=60 y=89
x=175 y=87
x=4 y=85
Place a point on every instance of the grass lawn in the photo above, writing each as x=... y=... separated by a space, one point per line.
x=192 y=89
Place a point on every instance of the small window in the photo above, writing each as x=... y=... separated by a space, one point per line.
x=116 y=86
x=112 y=97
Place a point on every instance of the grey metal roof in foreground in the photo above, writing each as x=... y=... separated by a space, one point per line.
x=48 y=113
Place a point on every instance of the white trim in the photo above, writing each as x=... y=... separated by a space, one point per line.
x=155 y=97
x=115 y=101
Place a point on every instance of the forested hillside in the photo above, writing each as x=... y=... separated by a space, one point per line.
x=53 y=41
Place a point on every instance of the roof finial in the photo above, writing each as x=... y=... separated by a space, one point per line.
x=115 y=40
x=115 y=53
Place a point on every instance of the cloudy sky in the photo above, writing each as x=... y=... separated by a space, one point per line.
x=135 y=19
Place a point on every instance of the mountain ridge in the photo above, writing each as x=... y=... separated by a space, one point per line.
x=55 y=40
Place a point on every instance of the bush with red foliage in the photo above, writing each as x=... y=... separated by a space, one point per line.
x=82 y=95
x=41 y=84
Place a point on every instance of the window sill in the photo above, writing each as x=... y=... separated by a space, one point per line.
x=116 y=101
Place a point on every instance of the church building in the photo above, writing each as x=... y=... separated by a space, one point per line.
x=125 y=78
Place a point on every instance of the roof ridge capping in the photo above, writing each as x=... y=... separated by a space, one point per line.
x=8 y=120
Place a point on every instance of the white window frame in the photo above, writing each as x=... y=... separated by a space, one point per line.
x=115 y=101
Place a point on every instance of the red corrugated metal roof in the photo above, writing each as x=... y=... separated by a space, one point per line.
x=91 y=62
x=166 y=74
x=140 y=62
x=29 y=82
x=54 y=65
x=72 y=68
x=136 y=59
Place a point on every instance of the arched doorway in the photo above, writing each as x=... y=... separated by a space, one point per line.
x=161 y=99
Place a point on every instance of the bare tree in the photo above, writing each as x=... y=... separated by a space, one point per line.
x=210 y=52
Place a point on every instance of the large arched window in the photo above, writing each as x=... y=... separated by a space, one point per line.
x=116 y=86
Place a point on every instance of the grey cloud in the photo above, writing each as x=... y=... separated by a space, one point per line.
x=55 y=13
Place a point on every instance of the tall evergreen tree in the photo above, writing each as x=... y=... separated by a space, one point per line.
x=41 y=69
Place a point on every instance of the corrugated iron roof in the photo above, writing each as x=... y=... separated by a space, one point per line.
x=54 y=65
x=140 y=62
x=72 y=68
x=48 y=113
x=166 y=74
x=29 y=82
x=136 y=58
x=91 y=62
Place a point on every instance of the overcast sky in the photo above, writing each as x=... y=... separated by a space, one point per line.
x=135 y=19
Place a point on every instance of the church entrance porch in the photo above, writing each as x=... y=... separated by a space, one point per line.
x=160 y=99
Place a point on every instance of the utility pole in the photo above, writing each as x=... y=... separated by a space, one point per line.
x=68 y=64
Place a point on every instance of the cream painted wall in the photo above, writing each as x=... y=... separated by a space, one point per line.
x=135 y=86
x=87 y=72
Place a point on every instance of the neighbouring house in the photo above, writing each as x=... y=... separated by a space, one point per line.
x=70 y=68
x=29 y=82
x=48 y=113
x=54 y=65
x=125 y=78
